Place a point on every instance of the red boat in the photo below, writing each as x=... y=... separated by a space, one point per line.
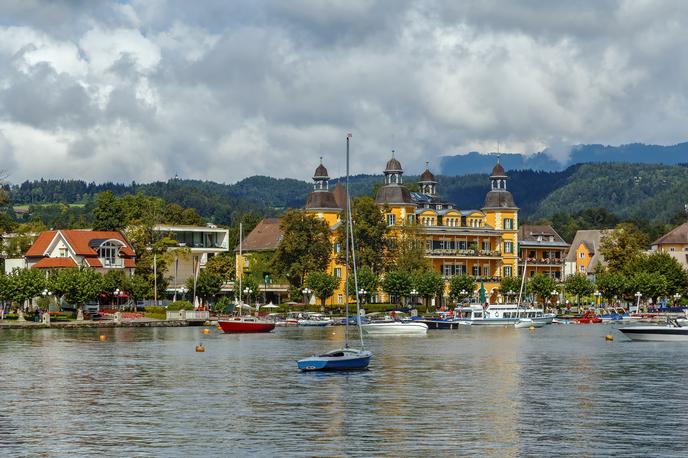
x=246 y=324
x=589 y=317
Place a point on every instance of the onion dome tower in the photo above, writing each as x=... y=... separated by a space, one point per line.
x=393 y=192
x=498 y=197
x=427 y=182
x=321 y=198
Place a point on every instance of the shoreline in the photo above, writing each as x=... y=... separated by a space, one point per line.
x=149 y=323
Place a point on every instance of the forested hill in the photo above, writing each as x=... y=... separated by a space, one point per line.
x=634 y=153
x=656 y=193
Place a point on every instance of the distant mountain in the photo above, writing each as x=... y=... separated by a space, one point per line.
x=637 y=153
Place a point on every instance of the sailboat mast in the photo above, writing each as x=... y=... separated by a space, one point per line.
x=520 y=292
x=346 y=267
x=240 y=272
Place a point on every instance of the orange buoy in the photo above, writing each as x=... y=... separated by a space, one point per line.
x=531 y=328
x=206 y=331
x=102 y=337
x=609 y=337
x=219 y=327
x=200 y=348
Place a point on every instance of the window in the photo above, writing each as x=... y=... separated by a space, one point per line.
x=508 y=223
x=391 y=219
x=340 y=298
x=439 y=207
x=338 y=272
x=581 y=255
x=672 y=249
x=581 y=269
x=337 y=248
x=411 y=219
x=476 y=271
x=531 y=253
x=486 y=245
x=63 y=252
x=108 y=253
x=508 y=247
x=508 y=271
x=486 y=271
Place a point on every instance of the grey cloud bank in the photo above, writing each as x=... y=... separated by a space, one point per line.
x=147 y=89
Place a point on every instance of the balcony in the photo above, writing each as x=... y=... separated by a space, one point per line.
x=543 y=262
x=444 y=252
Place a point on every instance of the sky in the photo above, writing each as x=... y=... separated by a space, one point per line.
x=144 y=90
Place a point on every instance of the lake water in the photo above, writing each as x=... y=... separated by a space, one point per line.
x=558 y=390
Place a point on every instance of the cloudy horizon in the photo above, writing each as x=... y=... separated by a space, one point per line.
x=144 y=90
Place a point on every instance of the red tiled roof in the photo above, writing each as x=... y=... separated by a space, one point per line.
x=52 y=263
x=129 y=263
x=41 y=244
x=93 y=262
x=79 y=240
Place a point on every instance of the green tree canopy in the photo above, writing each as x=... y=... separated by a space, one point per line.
x=622 y=246
x=322 y=284
x=370 y=231
x=429 y=284
x=305 y=247
x=649 y=284
x=397 y=283
x=541 y=286
x=578 y=285
x=611 y=284
x=208 y=284
x=115 y=279
x=510 y=284
x=77 y=285
x=109 y=213
x=459 y=283
x=223 y=265
x=408 y=251
x=22 y=285
x=367 y=281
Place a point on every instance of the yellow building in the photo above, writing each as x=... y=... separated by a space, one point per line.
x=542 y=251
x=673 y=241
x=481 y=243
x=584 y=255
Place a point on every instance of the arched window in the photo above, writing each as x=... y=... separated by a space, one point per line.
x=108 y=252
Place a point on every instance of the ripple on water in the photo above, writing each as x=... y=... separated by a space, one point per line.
x=561 y=390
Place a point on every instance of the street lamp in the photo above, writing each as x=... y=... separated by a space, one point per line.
x=554 y=293
x=306 y=292
x=266 y=280
x=463 y=294
x=46 y=294
x=362 y=293
x=184 y=290
x=413 y=293
x=510 y=295
x=677 y=296
x=116 y=295
x=248 y=292
x=638 y=295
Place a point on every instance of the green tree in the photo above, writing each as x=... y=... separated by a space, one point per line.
x=322 y=284
x=408 y=251
x=109 y=214
x=397 y=283
x=77 y=285
x=305 y=247
x=208 y=285
x=459 y=283
x=140 y=287
x=252 y=285
x=579 y=285
x=667 y=266
x=541 y=286
x=622 y=245
x=429 y=284
x=512 y=284
x=223 y=265
x=23 y=285
x=370 y=232
x=650 y=284
x=611 y=284
x=367 y=281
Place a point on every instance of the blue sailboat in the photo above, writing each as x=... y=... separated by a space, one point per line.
x=347 y=358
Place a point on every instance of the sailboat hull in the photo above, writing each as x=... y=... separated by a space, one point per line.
x=347 y=359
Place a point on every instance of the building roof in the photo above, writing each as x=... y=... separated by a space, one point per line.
x=52 y=263
x=393 y=194
x=339 y=193
x=321 y=173
x=80 y=242
x=498 y=199
x=321 y=199
x=676 y=235
x=529 y=234
x=498 y=171
x=266 y=236
x=427 y=176
x=393 y=165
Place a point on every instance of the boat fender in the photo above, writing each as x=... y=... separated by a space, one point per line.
x=609 y=337
x=200 y=348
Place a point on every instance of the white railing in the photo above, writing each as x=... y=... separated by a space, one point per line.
x=192 y=315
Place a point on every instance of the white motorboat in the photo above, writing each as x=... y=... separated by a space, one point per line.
x=528 y=323
x=315 y=319
x=672 y=332
x=396 y=327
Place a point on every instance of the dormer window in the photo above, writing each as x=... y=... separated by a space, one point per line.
x=438 y=207
x=108 y=252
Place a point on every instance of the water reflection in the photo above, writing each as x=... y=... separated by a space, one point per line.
x=472 y=391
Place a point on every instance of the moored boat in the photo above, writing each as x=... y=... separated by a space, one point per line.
x=245 y=324
x=396 y=327
x=528 y=323
x=314 y=319
x=500 y=314
x=343 y=359
x=672 y=332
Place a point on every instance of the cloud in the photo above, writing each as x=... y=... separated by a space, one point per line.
x=147 y=89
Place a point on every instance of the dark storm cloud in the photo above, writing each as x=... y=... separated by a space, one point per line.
x=223 y=90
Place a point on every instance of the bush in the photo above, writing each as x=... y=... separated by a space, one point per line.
x=180 y=305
